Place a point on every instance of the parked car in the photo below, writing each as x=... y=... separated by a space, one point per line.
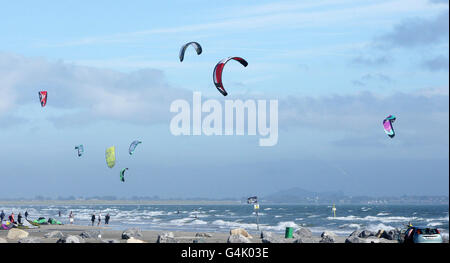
x=417 y=234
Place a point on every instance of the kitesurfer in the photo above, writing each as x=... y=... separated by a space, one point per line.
x=107 y=219
x=2 y=215
x=11 y=218
x=26 y=214
x=19 y=218
x=71 y=217
x=93 y=219
x=99 y=219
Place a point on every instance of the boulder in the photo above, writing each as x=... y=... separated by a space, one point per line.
x=30 y=240
x=54 y=234
x=371 y=239
x=110 y=241
x=303 y=233
x=304 y=240
x=203 y=235
x=132 y=232
x=355 y=233
x=91 y=234
x=354 y=239
x=70 y=239
x=134 y=240
x=2 y=240
x=374 y=239
x=328 y=237
x=269 y=237
x=240 y=231
x=365 y=234
x=265 y=234
x=15 y=233
x=382 y=234
x=166 y=237
x=238 y=239
x=394 y=234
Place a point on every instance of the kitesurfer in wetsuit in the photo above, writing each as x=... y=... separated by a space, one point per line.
x=99 y=219
x=107 y=219
x=93 y=219
x=11 y=218
x=26 y=214
x=19 y=218
x=2 y=215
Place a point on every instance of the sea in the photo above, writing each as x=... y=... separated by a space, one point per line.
x=269 y=217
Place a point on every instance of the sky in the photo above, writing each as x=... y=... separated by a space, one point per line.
x=336 y=67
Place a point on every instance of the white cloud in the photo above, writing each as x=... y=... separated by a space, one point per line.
x=142 y=95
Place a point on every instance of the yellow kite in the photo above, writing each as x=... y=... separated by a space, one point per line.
x=111 y=156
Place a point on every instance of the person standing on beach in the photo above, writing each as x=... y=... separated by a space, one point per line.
x=2 y=215
x=93 y=219
x=71 y=217
x=99 y=219
x=107 y=219
x=59 y=213
x=26 y=214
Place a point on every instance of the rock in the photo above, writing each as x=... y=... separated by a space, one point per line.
x=265 y=234
x=328 y=237
x=269 y=237
x=354 y=239
x=166 y=237
x=54 y=234
x=355 y=233
x=110 y=241
x=394 y=234
x=134 y=240
x=203 y=235
x=382 y=234
x=132 y=232
x=15 y=233
x=30 y=240
x=304 y=240
x=374 y=239
x=70 y=239
x=238 y=239
x=371 y=239
x=91 y=234
x=240 y=231
x=365 y=234
x=2 y=240
x=303 y=233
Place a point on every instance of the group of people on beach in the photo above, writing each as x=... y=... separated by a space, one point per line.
x=12 y=219
x=99 y=218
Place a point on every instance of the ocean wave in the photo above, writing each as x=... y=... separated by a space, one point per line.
x=389 y=219
x=383 y=214
x=223 y=223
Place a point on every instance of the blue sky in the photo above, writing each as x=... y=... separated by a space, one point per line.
x=336 y=67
